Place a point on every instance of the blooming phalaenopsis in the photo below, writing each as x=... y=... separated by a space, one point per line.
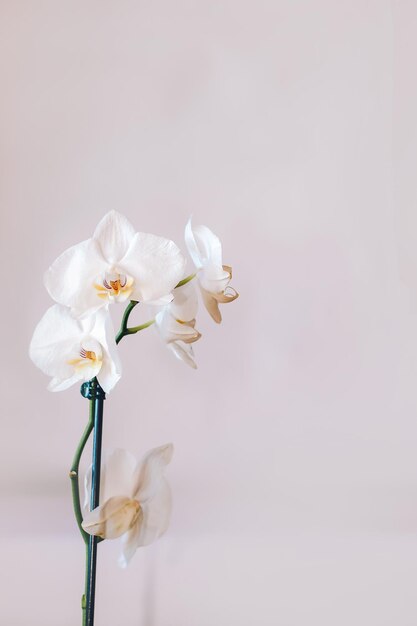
x=115 y=265
x=135 y=499
x=75 y=350
x=205 y=250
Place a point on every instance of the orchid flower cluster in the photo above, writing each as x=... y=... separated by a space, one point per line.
x=75 y=342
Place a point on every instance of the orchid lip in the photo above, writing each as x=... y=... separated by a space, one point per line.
x=90 y=355
x=114 y=286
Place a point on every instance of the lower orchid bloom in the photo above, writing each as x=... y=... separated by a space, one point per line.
x=175 y=323
x=72 y=350
x=135 y=497
x=205 y=250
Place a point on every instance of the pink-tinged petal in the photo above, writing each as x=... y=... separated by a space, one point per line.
x=114 y=518
x=184 y=353
x=70 y=279
x=155 y=263
x=150 y=472
x=154 y=523
x=114 y=234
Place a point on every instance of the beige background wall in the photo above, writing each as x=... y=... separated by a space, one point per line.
x=289 y=128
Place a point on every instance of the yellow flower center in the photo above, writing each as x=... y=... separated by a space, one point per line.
x=114 y=287
x=88 y=358
x=88 y=354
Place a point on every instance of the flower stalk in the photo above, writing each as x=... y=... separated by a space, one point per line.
x=185 y=280
x=74 y=472
x=125 y=319
x=96 y=395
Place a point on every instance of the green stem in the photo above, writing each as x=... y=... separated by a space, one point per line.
x=123 y=326
x=75 y=485
x=136 y=329
x=125 y=330
x=185 y=280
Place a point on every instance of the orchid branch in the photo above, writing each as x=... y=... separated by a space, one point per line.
x=73 y=474
x=123 y=326
x=185 y=280
x=135 y=329
x=124 y=329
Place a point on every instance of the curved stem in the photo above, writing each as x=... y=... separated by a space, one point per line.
x=75 y=485
x=185 y=280
x=123 y=326
x=124 y=330
x=136 y=329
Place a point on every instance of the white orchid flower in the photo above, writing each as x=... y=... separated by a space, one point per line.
x=135 y=499
x=175 y=323
x=72 y=350
x=115 y=265
x=205 y=250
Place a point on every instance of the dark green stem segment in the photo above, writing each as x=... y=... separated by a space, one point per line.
x=95 y=394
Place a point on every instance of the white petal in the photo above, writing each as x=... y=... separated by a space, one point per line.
x=55 y=340
x=58 y=384
x=203 y=245
x=111 y=368
x=184 y=306
x=214 y=278
x=114 y=518
x=170 y=329
x=114 y=233
x=155 y=263
x=56 y=325
x=70 y=279
x=163 y=301
x=117 y=476
x=149 y=473
x=184 y=353
x=155 y=521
